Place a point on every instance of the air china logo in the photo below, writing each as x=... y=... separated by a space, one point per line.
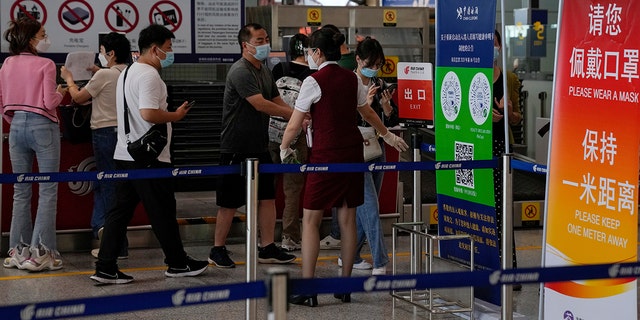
x=613 y=270
x=312 y=168
x=371 y=167
x=374 y=283
x=28 y=312
x=181 y=297
x=21 y=178
x=467 y=13
x=82 y=188
x=183 y=172
x=414 y=70
x=539 y=169
x=178 y=298
x=494 y=278
x=61 y=311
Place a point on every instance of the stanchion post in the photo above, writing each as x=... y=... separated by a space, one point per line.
x=507 y=233
x=251 y=172
x=278 y=292
x=416 y=244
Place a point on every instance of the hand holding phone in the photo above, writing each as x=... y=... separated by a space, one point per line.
x=392 y=87
x=190 y=104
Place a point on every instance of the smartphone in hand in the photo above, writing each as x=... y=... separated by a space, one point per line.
x=392 y=87
x=190 y=104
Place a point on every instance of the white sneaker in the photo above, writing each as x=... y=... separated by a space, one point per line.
x=17 y=257
x=289 y=244
x=329 y=243
x=362 y=265
x=42 y=259
x=382 y=271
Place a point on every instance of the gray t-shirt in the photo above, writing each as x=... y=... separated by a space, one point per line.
x=245 y=129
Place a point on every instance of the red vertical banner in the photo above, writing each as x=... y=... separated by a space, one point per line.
x=592 y=199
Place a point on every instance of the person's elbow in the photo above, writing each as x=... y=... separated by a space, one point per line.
x=151 y=115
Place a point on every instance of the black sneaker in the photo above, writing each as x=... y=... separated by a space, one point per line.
x=116 y=277
x=220 y=257
x=191 y=269
x=273 y=254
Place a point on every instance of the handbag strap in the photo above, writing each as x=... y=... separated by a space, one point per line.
x=127 y=129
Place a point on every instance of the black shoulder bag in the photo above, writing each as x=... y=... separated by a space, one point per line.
x=146 y=149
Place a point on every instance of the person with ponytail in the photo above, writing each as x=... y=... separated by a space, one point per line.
x=333 y=97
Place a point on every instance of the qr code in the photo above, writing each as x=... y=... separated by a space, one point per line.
x=464 y=152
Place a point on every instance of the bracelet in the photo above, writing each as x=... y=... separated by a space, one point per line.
x=71 y=86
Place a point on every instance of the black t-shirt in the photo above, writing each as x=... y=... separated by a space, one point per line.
x=390 y=121
x=245 y=129
x=296 y=70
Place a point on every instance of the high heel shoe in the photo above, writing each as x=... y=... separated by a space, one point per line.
x=303 y=299
x=344 y=297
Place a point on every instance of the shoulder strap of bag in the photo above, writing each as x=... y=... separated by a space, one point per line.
x=127 y=129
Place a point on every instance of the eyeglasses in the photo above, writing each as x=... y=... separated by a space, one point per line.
x=376 y=66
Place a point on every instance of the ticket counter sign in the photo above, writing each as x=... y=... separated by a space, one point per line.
x=415 y=93
x=592 y=202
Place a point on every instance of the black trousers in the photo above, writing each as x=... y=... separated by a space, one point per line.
x=158 y=199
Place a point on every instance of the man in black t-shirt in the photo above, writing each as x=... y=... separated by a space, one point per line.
x=250 y=97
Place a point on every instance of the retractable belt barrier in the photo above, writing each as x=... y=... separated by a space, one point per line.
x=515 y=163
x=252 y=290
x=259 y=289
x=236 y=169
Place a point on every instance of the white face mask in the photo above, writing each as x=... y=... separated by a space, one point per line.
x=43 y=45
x=103 y=60
x=312 y=63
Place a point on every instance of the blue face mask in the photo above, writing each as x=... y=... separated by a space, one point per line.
x=262 y=52
x=496 y=53
x=368 y=72
x=168 y=60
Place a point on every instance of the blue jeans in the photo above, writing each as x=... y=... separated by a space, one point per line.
x=104 y=192
x=368 y=222
x=34 y=136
